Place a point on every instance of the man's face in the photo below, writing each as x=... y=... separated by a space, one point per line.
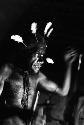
x=36 y=63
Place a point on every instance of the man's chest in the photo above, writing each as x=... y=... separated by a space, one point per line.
x=20 y=92
x=18 y=85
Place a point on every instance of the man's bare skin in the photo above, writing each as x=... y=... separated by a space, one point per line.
x=13 y=81
x=18 y=88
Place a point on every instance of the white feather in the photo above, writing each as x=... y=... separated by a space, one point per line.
x=49 y=60
x=17 y=38
x=34 y=27
x=49 y=24
x=50 y=31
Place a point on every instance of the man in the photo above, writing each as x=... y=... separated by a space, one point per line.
x=18 y=88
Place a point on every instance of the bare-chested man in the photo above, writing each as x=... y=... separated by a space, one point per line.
x=18 y=88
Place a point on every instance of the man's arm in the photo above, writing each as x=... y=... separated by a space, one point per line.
x=66 y=85
x=52 y=86
x=5 y=72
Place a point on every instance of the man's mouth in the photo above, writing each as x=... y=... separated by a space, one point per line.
x=37 y=65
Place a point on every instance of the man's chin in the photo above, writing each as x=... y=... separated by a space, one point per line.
x=36 y=71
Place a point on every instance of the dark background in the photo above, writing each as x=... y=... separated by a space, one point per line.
x=16 y=17
x=67 y=17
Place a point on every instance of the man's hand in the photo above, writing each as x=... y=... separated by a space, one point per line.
x=41 y=118
x=70 y=56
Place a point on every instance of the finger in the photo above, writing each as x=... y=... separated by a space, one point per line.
x=71 y=54
x=74 y=54
x=71 y=51
x=72 y=58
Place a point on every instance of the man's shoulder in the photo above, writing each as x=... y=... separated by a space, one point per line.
x=6 y=67
x=6 y=70
x=41 y=76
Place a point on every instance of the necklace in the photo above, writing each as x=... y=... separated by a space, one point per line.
x=24 y=101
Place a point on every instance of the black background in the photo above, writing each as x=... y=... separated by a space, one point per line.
x=67 y=18
x=16 y=17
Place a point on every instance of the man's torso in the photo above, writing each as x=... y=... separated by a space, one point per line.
x=18 y=93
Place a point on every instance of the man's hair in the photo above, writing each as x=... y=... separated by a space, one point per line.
x=37 y=45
